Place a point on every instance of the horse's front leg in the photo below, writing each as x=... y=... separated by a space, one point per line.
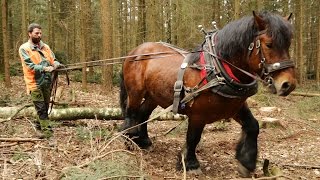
x=189 y=151
x=247 y=149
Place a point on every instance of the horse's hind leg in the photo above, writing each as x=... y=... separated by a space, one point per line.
x=145 y=110
x=189 y=151
x=247 y=149
x=136 y=114
x=131 y=114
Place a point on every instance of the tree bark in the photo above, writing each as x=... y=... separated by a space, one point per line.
x=24 y=20
x=299 y=27
x=236 y=9
x=5 y=39
x=318 y=52
x=78 y=113
x=83 y=36
x=107 y=32
x=50 y=25
x=141 y=30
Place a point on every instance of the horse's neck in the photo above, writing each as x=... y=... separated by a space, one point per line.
x=240 y=61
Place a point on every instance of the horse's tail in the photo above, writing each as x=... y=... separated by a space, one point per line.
x=123 y=95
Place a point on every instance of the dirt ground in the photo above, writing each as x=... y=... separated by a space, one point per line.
x=292 y=148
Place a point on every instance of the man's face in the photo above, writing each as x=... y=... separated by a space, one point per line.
x=35 y=35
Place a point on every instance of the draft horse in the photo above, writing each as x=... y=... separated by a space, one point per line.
x=234 y=58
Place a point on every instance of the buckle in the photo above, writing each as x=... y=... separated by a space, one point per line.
x=178 y=85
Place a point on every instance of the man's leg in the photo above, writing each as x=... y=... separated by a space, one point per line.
x=41 y=106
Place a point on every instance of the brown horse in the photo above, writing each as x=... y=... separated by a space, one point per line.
x=253 y=46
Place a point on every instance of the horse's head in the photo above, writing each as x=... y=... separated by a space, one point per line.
x=268 y=54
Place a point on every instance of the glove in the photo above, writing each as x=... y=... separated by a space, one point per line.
x=57 y=66
x=48 y=69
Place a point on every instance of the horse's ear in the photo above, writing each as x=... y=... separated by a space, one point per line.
x=288 y=17
x=259 y=22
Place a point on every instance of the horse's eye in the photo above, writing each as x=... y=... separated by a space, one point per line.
x=269 y=45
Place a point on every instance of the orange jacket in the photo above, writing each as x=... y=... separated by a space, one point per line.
x=34 y=58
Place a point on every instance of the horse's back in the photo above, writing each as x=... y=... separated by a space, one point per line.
x=151 y=70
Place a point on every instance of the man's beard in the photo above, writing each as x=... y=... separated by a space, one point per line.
x=36 y=40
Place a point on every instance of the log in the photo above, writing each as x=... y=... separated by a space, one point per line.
x=18 y=139
x=267 y=122
x=78 y=113
x=305 y=94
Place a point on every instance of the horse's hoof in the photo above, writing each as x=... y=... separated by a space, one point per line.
x=195 y=172
x=243 y=171
x=143 y=143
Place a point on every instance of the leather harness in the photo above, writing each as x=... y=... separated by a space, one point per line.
x=219 y=81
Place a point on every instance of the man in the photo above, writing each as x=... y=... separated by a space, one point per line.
x=38 y=61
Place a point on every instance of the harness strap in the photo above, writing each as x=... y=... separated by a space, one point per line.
x=269 y=68
x=192 y=95
x=178 y=85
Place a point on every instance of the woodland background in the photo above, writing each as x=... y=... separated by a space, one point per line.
x=87 y=30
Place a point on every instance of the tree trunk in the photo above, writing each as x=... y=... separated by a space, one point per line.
x=141 y=30
x=107 y=32
x=83 y=36
x=299 y=27
x=79 y=113
x=318 y=52
x=236 y=9
x=24 y=20
x=50 y=25
x=5 y=44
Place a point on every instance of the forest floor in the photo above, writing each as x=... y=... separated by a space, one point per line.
x=92 y=149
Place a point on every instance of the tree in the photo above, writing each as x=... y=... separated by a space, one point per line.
x=107 y=32
x=5 y=43
x=141 y=30
x=236 y=9
x=50 y=25
x=24 y=20
x=83 y=35
x=299 y=27
x=318 y=51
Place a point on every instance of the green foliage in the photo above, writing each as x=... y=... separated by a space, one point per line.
x=308 y=108
x=120 y=166
x=117 y=69
x=19 y=155
x=61 y=57
x=86 y=134
x=94 y=78
x=16 y=69
x=264 y=97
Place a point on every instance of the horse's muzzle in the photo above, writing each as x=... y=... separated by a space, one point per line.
x=282 y=88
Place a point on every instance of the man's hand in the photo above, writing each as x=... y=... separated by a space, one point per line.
x=57 y=66
x=48 y=69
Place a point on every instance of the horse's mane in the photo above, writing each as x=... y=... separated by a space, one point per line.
x=236 y=36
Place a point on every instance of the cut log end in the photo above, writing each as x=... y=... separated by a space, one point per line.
x=271 y=123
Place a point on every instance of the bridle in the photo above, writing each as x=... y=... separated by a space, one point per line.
x=267 y=68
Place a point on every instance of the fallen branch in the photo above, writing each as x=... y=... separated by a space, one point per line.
x=302 y=166
x=123 y=176
x=305 y=94
x=20 y=139
x=273 y=177
x=8 y=145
